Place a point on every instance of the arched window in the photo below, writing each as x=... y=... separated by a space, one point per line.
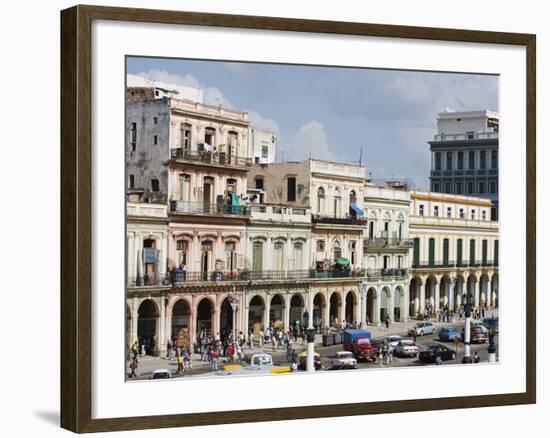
x=337 y=202
x=182 y=248
x=336 y=250
x=230 y=256
x=320 y=200
x=278 y=256
x=298 y=256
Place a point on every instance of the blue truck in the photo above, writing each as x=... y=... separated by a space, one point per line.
x=359 y=343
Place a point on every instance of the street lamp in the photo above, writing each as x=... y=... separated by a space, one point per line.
x=233 y=303
x=310 y=366
x=467 y=325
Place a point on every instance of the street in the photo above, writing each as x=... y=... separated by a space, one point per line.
x=148 y=364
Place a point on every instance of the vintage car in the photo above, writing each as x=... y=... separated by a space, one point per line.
x=430 y=354
x=406 y=348
x=344 y=358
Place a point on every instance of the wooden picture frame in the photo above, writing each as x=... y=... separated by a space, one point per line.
x=76 y=217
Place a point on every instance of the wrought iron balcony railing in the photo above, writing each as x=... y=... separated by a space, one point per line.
x=338 y=220
x=389 y=241
x=187 y=207
x=206 y=157
x=391 y=272
x=453 y=264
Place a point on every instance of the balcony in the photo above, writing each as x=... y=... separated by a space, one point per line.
x=201 y=208
x=455 y=265
x=461 y=137
x=280 y=214
x=179 y=277
x=338 y=220
x=210 y=158
x=383 y=242
x=391 y=272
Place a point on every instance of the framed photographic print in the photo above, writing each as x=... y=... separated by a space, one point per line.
x=341 y=214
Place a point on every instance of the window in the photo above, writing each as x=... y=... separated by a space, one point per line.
x=233 y=143
x=209 y=134
x=386 y=262
x=494 y=159
x=472 y=251
x=155 y=139
x=291 y=189
x=472 y=214
x=492 y=187
x=481 y=187
x=155 y=185
x=482 y=158
x=436 y=187
x=259 y=183
x=298 y=255
x=469 y=187
x=447 y=187
x=471 y=160
x=133 y=136
x=421 y=210
x=352 y=252
x=320 y=246
x=416 y=251
x=230 y=256
x=460 y=164
x=461 y=213
x=184 y=182
x=470 y=135
x=182 y=246
x=484 y=252
x=131 y=181
x=336 y=250
x=265 y=152
x=320 y=200
x=446 y=252
x=458 y=188
x=449 y=212
x=231 y=185
x=484 y=215
x=431 y=251
x=436 y=210
x=459 y=252
x=155 y=120
x=449 y=161
x=185 y=136
x=257 y=256
x=495 y=255
x=438 y=161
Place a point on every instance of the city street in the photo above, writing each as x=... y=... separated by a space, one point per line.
x=148 y=364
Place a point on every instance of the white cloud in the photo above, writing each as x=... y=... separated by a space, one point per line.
x=164 y=76
x=261 y=122
x=310 y=140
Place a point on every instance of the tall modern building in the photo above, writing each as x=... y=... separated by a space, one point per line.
x=465 y=155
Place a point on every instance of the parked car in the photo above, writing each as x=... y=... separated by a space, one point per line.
x=422 y=328
x=261 y=359
x=339 y=367
x=302 y=360
x=448 y=333
x=393 y=340
x=477 y=335
x=161 y=374
x=430 y=354
x=345 y=358
x=406 y=348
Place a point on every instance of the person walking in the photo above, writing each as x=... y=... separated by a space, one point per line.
x=476 y=357
x=133 y=367
x=214 y=359
x=168 y=349
x=438 y=360
x=179 y=359
x=381 y=355
x=389 y=355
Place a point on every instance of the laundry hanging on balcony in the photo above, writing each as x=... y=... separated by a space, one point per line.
x=354 y=210
x=235 y=203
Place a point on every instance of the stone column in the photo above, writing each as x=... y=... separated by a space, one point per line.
x=134 y=321
x=342 y=309
x=286 y=316
x=476 y=292
x=161 y=341
x=363 y=305
x=405 y=304
x=266 y=312
x=168 y=323
x=390 y=304
x=326 y=312
x=376 y=306
x=435 y=293
x=422 y=295
x=245 y=313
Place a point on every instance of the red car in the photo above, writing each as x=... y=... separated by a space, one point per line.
x=477 y=335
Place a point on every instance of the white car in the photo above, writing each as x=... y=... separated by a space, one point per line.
x=393 y=340
x=261 y=359
x=161 y=374
x=345 y=358
x=423 y=328
x=406 y=348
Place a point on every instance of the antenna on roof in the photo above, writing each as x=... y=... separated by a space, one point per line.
x=361 y=156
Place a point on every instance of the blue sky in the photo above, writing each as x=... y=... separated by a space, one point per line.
x=333 y=112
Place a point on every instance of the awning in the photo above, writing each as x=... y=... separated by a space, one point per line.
x=356 y=209
x=342 y=261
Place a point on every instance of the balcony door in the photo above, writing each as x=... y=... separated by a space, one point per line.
x=207 y=193
x=257 y=256
x=206 y=258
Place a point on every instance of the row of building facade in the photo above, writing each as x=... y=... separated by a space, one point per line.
x=220 y=240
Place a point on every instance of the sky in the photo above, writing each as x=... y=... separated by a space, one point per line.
x=332 y=113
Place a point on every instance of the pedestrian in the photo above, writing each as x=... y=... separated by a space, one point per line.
x=179 y=359
x=381 y=355
x=168 y=349
x=414 y=334
x=133 y=367
x=214 y=359
x=143 y=349
x=476 y=357
x=387 y=321
x=389 y=355
x=135 y=350
x=185 y=357
x=438 y=360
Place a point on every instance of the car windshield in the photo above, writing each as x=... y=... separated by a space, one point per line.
x=363 y=341
x=345 y=355
x=407 y=343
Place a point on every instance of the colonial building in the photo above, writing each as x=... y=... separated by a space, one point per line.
x=386 y=252
x=465 y=155
x=455 y=252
